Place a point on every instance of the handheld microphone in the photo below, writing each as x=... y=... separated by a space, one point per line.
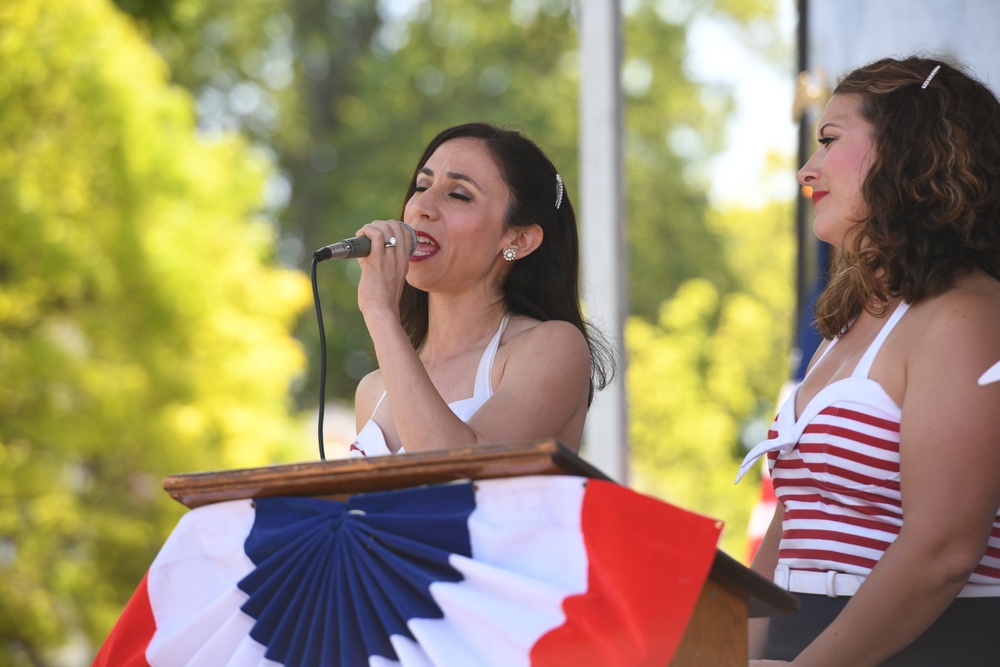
x=357 y=246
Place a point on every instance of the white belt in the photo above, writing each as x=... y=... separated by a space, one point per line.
x=829 y=583
x=834 y=584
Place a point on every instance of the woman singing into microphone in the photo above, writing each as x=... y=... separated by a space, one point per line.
x=478 y=333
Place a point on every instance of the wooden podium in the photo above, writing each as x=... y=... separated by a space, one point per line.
x=716 y=635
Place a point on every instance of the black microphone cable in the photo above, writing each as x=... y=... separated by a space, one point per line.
x=359 y=247
x=322 y=357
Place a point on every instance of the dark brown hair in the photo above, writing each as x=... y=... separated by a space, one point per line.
x=544 y=285
x=932 y=193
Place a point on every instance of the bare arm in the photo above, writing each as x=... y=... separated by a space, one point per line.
x=542 y=393
x=764 y=562
x=544 y=388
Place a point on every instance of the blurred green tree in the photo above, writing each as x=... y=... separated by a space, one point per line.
x=705 y=377
x=144 y=329
x=143 y=324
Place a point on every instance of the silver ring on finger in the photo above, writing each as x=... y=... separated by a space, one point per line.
x=391 y=243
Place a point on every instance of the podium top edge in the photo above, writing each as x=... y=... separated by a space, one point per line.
x=340 y=477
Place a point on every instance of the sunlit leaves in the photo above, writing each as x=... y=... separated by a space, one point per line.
x=706 y=375
x=143 y=330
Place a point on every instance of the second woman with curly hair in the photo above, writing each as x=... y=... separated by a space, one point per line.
x=886 y=459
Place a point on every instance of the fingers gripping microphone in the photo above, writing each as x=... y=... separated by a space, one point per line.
x=358 y=246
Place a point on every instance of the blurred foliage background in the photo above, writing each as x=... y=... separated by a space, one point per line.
x=167 y=168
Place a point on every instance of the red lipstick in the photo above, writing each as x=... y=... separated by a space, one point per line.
x=427 y=246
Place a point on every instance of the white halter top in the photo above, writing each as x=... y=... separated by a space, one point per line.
x=370 y=440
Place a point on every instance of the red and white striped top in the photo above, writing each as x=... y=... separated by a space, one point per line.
x=836 y=471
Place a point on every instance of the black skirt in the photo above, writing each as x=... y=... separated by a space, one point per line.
x=967 y=634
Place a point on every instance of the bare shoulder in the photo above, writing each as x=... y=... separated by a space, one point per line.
x=970 y=308
x=960 y=326
x=542 y=374
x=554 y=350
x=524 y=334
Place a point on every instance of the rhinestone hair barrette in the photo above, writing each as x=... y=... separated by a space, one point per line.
x=930 y=76
x=559 y=190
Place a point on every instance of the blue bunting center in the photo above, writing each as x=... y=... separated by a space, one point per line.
x=335 y=580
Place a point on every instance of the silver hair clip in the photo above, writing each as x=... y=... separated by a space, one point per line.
x=929 y=77
x=559 y=190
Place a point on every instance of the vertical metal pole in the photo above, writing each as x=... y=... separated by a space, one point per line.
x=804 y=278
x=602 y=221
